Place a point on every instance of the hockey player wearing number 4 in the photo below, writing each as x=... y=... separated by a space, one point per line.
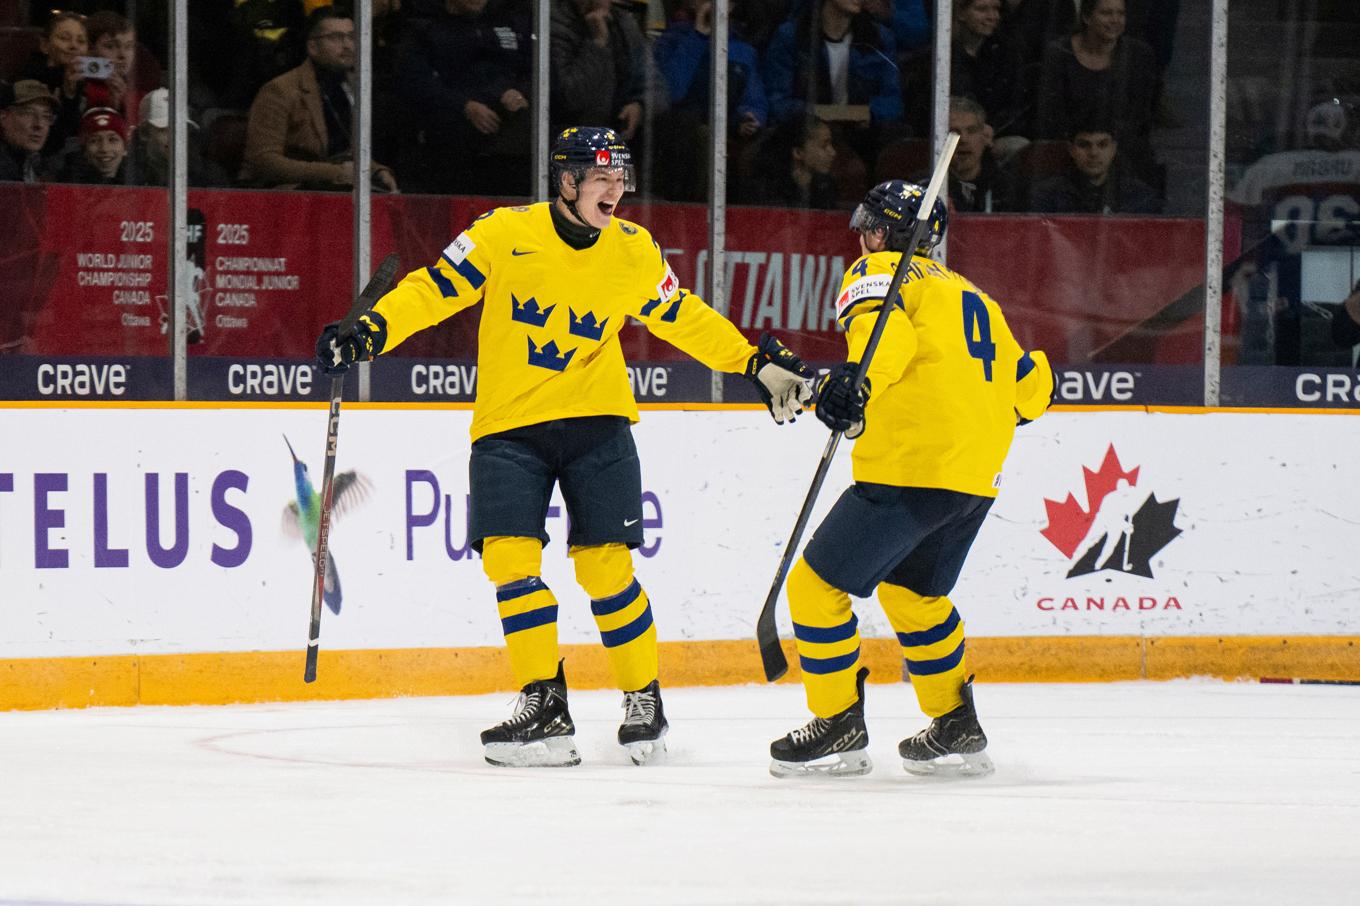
x=944 y=392
x=558 y=281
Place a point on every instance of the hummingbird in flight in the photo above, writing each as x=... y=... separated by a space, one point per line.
x=302 y=516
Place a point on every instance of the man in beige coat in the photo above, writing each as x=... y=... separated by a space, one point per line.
x=298 y=135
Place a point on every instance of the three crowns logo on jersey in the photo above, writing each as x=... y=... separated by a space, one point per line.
x=1121 y=529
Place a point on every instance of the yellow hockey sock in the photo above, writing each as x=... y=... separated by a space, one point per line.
x=622 y=612
x=527 y=607
x=826 y=632
x=930 y=632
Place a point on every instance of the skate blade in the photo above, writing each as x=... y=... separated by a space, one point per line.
x=553 y=752
x=949 y=767
x=648 y=751
x=840 y=764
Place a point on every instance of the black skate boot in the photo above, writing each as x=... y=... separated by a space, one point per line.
x=832 y=746
x=644 y=725
x=539 y=733
x=952 y=746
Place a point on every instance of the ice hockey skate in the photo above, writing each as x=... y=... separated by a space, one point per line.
x=540 y=732
x=828 y=746
x=643 y=731
x=952 y=746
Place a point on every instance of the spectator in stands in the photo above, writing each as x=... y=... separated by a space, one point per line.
x=1101 y=72
x=467 y=72
x=149 y=156
x=56 y=64
x=976 y=182
x=794 y=168
x=983 y=66
x=102 y=155
x=1095 y=183
x=266 y=39
x=112 y=37
x=600 y=67
x=682 y=56
x=907 y=20
x=298 y=133
x=27 y=111
x=855 y=63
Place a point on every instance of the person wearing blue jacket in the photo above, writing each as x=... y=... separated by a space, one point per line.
x=855 y=62
x=681 y=53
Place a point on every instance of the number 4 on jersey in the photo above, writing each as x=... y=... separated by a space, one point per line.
x=975 y=317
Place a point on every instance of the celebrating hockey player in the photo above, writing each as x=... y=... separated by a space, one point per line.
x=554 y=406
x=933 y=421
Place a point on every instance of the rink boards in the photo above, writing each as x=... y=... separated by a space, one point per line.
x=143 y=559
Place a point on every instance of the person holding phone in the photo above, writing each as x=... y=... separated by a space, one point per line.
x=108 y=70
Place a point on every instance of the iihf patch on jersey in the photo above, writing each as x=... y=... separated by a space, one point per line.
x=667 y=287
x=872 y=287
x=459 y=248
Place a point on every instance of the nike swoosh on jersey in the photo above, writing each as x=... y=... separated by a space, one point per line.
x=628 y=522
x=516 y=252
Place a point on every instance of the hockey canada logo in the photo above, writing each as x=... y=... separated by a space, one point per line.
x=1120 y=529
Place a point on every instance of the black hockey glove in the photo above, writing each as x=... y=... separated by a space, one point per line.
x=781 y=379
x=839 y=406
x=335 y=354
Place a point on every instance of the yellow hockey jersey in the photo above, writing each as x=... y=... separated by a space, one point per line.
x=947 y=381
x=548 y=344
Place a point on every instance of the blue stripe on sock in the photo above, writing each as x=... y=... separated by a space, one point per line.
x=824 y=665
x=614 y=603
x=938 y=665
x=625 y=634
x=932 y=635
x=445 y=285
x=519 y=589
x=823 y=634
x=529 y=619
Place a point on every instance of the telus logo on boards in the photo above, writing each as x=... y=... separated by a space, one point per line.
x=113 y=533
x=1120 y=530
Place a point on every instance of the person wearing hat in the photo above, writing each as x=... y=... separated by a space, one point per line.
x=149 y=155
x=25 y=121
x=103 y=149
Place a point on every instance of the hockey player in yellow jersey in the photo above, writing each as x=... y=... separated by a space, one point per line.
x=557 y=282
x=932 y=424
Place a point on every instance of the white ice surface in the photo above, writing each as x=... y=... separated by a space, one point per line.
x=1148 y=793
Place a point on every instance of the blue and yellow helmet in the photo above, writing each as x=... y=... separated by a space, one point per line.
x=582 y=148
x=893 y=206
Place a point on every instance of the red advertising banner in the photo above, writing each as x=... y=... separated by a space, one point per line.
x=85 y=270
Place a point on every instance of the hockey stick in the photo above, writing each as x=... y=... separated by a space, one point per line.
x=375 y=290
x=767 y=635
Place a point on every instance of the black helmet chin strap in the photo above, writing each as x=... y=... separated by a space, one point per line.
x=577 y=232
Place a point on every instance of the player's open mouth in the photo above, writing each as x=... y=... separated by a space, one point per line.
x=607 y=209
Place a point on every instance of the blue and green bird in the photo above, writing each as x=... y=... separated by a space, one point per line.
x=302 y=516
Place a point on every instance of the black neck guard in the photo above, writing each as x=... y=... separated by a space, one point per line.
x=573 y=234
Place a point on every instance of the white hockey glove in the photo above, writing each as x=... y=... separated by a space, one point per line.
x=781 y=379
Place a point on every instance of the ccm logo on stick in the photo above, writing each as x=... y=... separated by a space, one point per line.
x=82 y=380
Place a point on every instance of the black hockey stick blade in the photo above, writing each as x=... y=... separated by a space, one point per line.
x=377 y=287
x=767 y=634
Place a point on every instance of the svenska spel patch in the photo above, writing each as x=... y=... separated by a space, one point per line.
x=460 y=248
